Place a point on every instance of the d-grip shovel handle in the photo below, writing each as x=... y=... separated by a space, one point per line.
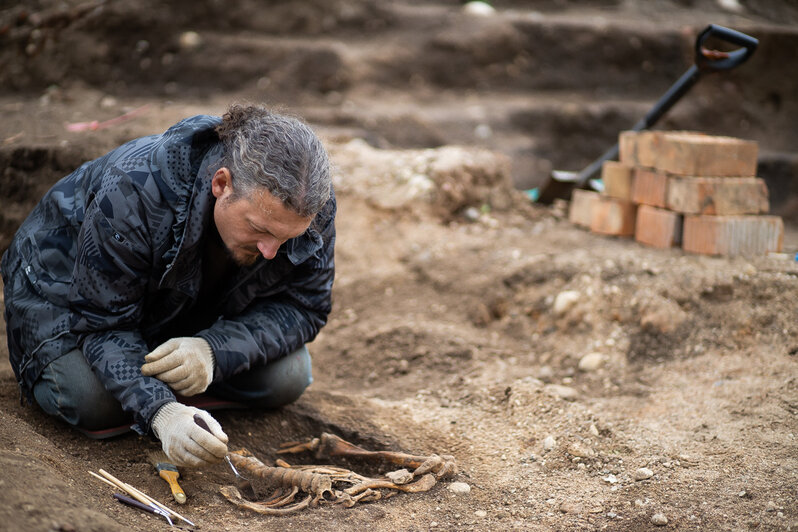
x=712 y=60
x=706 y=61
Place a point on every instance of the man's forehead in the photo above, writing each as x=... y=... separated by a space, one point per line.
x=263 y=201
x=270 y=213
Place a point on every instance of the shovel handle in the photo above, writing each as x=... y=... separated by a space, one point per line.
x=706 y=61
x=712 y=60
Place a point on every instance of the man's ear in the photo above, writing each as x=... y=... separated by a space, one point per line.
x=222 y=181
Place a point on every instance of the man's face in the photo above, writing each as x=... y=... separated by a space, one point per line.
x=254 y=225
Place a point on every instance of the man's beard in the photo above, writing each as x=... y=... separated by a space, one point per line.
x=242 y=258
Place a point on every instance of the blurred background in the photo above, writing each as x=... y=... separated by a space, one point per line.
x=548 y=82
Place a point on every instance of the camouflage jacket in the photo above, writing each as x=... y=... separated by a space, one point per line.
x=111 y=258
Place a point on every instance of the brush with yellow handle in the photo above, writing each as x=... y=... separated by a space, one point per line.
x=168 y=472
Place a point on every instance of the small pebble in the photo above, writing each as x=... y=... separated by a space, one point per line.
x=591 y=362
x=570 y=507
x=108 y=102
x=481 y=9
x=545 y=373
x=593 y=430
x=549 y=443
x=564 y=301
x=580 y=450
x=483 y=131
x=471 y=214
x=481 y=513
x=659 y=519
x=643 y=473
x=563 y=392
x=190 y=40
x=459 y=488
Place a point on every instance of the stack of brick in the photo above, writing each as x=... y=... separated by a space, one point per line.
x=684 y=189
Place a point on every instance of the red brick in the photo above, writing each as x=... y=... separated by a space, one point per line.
x=646 y=146
x=733 y=235
x=580 y=211
x=627 y=148
x=617 y=179
x=717 y=195
x=613 y=216
x=629 y=144
x=688 y=153
x=658 y=227
x=649 y=187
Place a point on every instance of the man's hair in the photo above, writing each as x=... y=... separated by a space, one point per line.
x=278 y=152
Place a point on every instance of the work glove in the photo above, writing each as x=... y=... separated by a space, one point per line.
x=185 y=364
x=183 y=440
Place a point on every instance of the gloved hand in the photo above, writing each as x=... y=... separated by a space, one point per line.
x=185 y=364
x=183 y=440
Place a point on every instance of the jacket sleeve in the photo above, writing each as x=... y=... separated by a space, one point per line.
x=107 y=296
x=272 y=327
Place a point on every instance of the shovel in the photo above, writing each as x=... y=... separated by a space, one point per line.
x=561 y=183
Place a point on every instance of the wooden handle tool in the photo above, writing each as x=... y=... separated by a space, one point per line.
x=168 y=472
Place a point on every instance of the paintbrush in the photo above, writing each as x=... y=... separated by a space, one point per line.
x=168 y=472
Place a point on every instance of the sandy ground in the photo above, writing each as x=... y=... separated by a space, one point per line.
x=579 y=381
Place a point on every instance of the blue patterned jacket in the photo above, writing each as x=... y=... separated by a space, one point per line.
x=111 y=258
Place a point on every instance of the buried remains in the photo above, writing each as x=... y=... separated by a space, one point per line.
x=327 y=483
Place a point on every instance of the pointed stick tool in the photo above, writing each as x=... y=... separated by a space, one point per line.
x=137 y=502
x=138 y=495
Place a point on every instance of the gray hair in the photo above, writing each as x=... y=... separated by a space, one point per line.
x=278 y=152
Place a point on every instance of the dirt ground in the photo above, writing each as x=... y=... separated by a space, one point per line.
x=555 y=365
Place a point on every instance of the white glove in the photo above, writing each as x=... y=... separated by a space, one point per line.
x=184 y=441
x=185 y=364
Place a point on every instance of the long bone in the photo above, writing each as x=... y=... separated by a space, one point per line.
x=330 y=445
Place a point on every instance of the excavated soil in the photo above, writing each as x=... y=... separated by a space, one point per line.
x=552 y=363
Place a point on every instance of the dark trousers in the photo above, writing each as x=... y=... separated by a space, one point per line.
x=69 y=390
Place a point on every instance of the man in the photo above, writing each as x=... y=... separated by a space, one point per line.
x=199 y=259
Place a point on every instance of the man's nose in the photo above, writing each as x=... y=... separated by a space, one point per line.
x=268 y=247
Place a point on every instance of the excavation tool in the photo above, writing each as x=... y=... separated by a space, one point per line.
x=244 y=485
x=561 y=183
x=151 y=508
x=168 y=472
x=146 y=502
